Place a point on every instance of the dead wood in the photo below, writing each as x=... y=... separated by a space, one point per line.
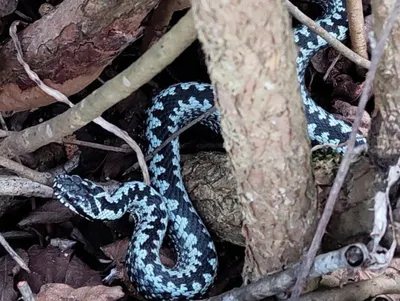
x=69 y=48
x=264 y=126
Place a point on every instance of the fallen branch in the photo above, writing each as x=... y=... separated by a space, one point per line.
x=377 y=53
x=349 y=257
x=17 y=186
x=23 y=171
x=13 y=254
x=160 y=55
x=340 y=47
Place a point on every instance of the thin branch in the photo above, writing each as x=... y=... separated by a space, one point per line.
x=96 y=145
x=356 y=27
x=23 y=171
x=340 y=47
x=377 y=53
x=328 y=71
x=14 y=254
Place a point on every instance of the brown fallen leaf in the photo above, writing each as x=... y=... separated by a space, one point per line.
x=52 y=265
x=348 y=112
x=61 y=292
x=117 y=252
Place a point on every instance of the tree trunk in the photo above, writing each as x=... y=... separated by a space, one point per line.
x=251 y=61
x=68 y=48
x=384 y=144
x=384 y=138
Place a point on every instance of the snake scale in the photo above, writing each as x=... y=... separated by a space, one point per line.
x=164 y=208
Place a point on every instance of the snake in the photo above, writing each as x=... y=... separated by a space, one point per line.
x=163 y=208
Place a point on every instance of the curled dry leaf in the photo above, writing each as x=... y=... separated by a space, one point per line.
x=348 y=113
x=61 y=292
x=52 y=265
x=117 y=252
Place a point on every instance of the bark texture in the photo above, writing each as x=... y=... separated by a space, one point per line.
x=251 y=61
x=384 y=137
x=69 y=48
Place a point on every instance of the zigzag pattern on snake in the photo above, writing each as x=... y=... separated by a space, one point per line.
x=164 y=208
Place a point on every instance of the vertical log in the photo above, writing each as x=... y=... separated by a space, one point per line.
x=251 y=61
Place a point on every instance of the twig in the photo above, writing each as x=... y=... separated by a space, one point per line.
x=13 y=254
x=331 y=66
x=350 y=257
x=356 y=27
x=348 y=155
x=23 y=171
x=340 y=47
x=96 y=145
x=25 y=291
x=173 y=136
x=160 y=55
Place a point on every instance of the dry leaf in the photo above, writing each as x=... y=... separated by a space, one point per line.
x=52 y=265
x=61 y=292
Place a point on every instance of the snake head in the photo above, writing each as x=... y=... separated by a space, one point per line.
x=77 y=194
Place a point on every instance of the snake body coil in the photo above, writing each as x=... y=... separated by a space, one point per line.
x=165 y=207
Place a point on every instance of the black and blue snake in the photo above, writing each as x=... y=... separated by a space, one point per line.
x=164 y=208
